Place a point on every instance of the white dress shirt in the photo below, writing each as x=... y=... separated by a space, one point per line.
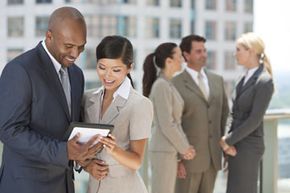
x=249 y=74
x=194 y=75
x=56 y=64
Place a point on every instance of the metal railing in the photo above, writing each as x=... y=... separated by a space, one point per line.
x=269 y=167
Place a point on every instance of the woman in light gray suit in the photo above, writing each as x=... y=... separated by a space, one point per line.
x=118 y=103
x=168 y=138
x=244 y=143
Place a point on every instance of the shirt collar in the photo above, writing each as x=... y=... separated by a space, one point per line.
x=194 y=73
x=250 y=73
x=56 y=64
x=123 y=90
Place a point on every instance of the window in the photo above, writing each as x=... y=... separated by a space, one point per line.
x=210 y=4
x=193 y=4
x=89 y=84
x=153 y=2
x=175 y=3
x=128 y=1
x=175 y=28
x=89 y=57
x=12 y=53
x=248 y=6
x=231 y=5
x=230 y=30
x=15 y=26
x=152 y=28
x=127 y=26
x=100 y=26
x=211 y=60
x=43 y=1
x=248 y=27
x=98 y=2
x=229 y=60
x=41 y=25
x=192 y=23
x=14 y=2
x=210 y=30
x=108 y=25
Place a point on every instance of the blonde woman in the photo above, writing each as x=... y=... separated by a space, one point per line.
x=245 y=142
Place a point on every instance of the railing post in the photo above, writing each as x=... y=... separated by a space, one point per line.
x=269 y=167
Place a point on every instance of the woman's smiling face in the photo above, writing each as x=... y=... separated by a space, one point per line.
x=112 y=73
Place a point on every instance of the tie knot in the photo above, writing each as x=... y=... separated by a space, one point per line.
x=63 y=71
x=199 y=75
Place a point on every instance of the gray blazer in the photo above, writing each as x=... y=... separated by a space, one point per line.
x=167 y=136
x=246 y=132
x=203 y=121
x=132 y=119
x=249 y=107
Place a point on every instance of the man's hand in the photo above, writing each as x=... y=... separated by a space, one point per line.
x=98 y=169
x=80 y=152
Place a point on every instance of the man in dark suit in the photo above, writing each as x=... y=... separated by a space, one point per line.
x=37 y=104
x=203 y=120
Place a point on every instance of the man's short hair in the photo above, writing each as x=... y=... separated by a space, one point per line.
x=186 y=42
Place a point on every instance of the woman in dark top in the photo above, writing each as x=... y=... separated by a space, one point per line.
x=245 y=142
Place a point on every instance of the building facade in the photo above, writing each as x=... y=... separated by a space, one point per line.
x=145 y=22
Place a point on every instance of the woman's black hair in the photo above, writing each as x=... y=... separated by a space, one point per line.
x=154 y=60
x=115 y=47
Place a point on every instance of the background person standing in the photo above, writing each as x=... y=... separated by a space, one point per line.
x=168 y=138
x=203 y=120
x=246 y=136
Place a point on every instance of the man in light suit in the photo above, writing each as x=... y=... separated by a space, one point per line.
x=204 y=118
x=36 y=110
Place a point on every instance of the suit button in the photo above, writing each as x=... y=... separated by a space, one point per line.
x=209 y=121
x=210 y=136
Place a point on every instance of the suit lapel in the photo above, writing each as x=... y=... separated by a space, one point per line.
x=211 y=86
x=113 y=110
x=73 y=85
x=53 y=81
x=94 y=111
x=240 y=85
x=191 y=85
x=252 y=80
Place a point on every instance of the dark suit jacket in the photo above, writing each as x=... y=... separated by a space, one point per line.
x=246 y=132
x=249 y=107
x=203 y=121
x=33 y=119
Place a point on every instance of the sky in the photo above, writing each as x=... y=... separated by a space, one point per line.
x=271 y=21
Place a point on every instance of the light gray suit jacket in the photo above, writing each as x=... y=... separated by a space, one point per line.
x=132 y=120
x=203 y=121
x=168 y=135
